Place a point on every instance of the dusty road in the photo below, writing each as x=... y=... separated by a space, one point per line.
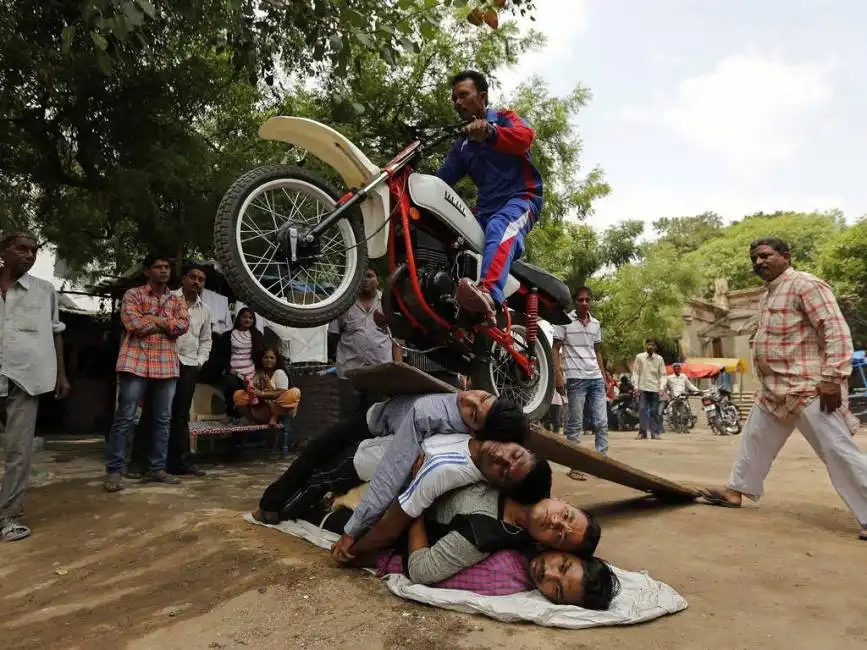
x=175 y=567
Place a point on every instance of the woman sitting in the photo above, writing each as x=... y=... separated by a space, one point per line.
x=268 y=397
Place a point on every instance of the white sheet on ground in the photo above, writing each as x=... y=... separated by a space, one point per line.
x=641 y=598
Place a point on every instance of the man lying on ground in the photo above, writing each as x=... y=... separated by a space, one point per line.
x=469 y=524
x=410 y=419
x=449 y=461
x=563 y=578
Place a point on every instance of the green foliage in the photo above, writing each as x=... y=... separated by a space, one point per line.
x=643 y=299
x=843 y=264
x=686 y=234
x=727 y=256
x=123 y=121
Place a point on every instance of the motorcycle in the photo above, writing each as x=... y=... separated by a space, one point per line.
x=625 y=411
x=678 y=415
x=296 y=251
x=722 y=416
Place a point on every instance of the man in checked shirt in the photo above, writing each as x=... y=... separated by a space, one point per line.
x=803 y=356
x=154 y=318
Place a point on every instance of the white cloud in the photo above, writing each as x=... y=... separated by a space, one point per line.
x=731 y=203
x=562 y=22
x=754 y=111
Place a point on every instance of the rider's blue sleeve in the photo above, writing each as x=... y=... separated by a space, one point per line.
x=454 y=168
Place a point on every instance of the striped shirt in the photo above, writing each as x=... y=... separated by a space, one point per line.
x=802 y=339
x=147 y=351
x=447 y=466
x=241 y=363
x=579 y=347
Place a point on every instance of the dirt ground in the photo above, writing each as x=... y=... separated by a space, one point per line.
x=175 y=567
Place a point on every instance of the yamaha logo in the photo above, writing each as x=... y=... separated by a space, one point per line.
x=455 y=202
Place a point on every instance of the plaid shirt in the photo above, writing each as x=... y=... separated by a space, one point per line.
x=802 y=339
x=501 y=574
x=147 y=351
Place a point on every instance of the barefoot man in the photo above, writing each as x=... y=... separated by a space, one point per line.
x=803 y=356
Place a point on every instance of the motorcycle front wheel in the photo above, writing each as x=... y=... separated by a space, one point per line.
x=253 y=250
x=503 y=377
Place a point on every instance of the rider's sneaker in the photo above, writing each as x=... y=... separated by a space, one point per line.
x=475 y=299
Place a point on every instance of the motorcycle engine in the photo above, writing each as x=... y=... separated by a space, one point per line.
x=437 y=285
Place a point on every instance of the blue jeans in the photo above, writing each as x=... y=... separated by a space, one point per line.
x=132 y=391
x=592 y=393
x=649 y=413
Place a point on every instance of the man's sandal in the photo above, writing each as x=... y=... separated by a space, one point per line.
x=268 y=518
x=12 y=530
x=575 y=475
x=716 y=498
x=863 y=535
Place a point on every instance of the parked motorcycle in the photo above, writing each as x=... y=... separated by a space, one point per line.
x=722 y=416
x=624 y=410
x=296 y=251
x=678 y=415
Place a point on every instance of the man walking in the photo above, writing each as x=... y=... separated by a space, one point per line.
x=584 y=375
x=31 y=363
x=803 y=357
x=649 y=378
x=154 y=318
x=360 y=338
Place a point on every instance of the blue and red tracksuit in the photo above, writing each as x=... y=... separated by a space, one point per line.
x=510 y=191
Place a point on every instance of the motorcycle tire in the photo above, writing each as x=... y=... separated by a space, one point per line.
x=248 y=288
x=483 y=373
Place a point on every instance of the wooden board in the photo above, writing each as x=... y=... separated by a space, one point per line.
x=390 y=379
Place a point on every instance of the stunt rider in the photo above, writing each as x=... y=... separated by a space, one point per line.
x=496 y=156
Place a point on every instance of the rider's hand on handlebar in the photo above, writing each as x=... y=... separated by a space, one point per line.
x=478 y=130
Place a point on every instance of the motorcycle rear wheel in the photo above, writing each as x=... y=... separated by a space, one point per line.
x=252 y=210
x=500 y=375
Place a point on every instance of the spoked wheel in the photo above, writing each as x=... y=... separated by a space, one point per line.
x=261 y=245
x=504 y=377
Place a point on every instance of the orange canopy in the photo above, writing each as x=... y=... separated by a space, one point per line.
x=696 y=370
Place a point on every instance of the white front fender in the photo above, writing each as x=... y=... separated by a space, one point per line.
x=346 y=159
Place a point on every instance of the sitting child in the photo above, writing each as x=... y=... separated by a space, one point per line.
x=269 y=397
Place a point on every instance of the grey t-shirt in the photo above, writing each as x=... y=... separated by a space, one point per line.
x=453 y=552
x=362 y=343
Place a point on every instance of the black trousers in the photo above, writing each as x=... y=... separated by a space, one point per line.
x=231 y=383
x=314 y=458
x=179 y=431
x=337 y=476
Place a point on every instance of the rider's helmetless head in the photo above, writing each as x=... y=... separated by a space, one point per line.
x=470 y=94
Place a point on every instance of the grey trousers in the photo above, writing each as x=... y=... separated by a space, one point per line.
x=21 y=410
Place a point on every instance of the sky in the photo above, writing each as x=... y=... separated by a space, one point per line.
x=711 y=105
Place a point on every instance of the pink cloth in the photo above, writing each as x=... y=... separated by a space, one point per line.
x=501 y=574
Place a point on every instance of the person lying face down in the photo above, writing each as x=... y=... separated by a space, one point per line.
x=567 y=579
x=449 y=460
x=410 y=420
x=470 y=523
x=484 y=417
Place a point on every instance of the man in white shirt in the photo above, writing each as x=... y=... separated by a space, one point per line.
x=679 y=384
x=31 y=364
x=581 y=372
x=194 y=348
x=650 y=379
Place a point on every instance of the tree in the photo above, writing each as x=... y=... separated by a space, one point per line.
x=843 y=264
x=727 y=256
x=123 y=123
x=687 y=234
x=643 y=299
x=620 y=243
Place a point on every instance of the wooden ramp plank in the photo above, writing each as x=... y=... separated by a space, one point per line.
x=391 y=379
